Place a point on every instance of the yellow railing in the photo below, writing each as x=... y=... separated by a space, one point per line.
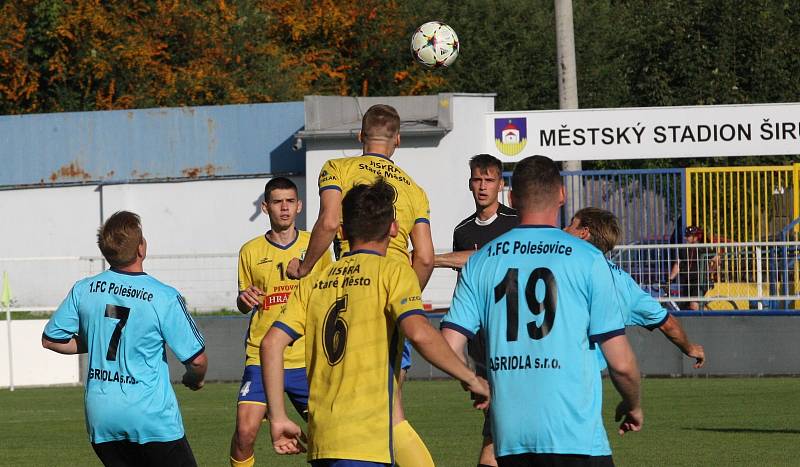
x=745 y=204
x=742 y=204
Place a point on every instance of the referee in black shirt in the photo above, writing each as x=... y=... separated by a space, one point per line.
x=490 y=220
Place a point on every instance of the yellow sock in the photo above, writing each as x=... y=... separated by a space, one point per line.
x=409 y=450
x=249 y=462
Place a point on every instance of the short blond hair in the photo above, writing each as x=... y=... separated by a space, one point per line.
x=380 y=121
x=119 y=238
x=603 y=227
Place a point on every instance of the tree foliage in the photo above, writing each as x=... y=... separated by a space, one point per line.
x=74 y=55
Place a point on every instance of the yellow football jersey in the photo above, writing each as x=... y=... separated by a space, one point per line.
x=410 y=202
x=349 y=313
x=263 y=264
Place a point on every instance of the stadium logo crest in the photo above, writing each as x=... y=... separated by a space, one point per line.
x=510 y=135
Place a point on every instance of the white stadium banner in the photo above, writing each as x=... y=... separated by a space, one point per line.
x=648 y=132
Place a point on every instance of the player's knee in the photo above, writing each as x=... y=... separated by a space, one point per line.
x=245 y=437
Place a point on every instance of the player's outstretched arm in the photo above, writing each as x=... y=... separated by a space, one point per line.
x=195 y=375
x=71 y=347
x=456 y=259
x=624 y=373
x=422 y=257
x=433 y=347
x=286 y=434
x=673 y=330
x=323 y=233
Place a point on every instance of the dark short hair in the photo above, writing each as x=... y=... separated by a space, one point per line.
x=535 y=183
x=381 y=121
x=278 y=183
x=693 y=230
x=603 y=227
x=484 y=162
x=119 y=238
x=368 y=211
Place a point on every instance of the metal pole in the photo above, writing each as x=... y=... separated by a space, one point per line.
x=10 y=354
x=567 y=89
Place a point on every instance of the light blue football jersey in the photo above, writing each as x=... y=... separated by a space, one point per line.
x=638 y=307
x=125 y=319
x=544 y=299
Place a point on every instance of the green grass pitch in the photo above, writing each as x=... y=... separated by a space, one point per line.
x=725 y=421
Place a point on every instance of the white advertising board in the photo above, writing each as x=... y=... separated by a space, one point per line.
x=650 y=132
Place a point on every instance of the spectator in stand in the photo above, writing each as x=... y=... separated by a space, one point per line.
x=693 y=267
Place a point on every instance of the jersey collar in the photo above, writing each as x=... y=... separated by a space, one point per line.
x=535 y=226
x=375 y=154
x=128 y=273
x=366 y=252
x=278 y=245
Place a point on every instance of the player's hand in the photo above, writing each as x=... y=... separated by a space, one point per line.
x=287 y=437
x=696 y=352
x=191 y=381
x=632 y=419
x=479 y=390
x=294 y=269
x=251 y=296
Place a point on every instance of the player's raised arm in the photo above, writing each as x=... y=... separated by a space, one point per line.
x=322 y=234
x=422 y=258
x=673 y=330
x=624 y=373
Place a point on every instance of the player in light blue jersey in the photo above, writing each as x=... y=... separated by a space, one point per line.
x=123 y=317
x=542 y=298
x=600 y=228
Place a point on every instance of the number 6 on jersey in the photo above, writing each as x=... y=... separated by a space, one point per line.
x=334 y=336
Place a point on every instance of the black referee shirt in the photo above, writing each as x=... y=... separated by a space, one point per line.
x=472 y=233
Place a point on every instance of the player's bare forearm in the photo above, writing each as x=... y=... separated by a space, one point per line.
x=673 y=331
x=456 y=259
x=422 y=257
x=195 y=375
x=322 y=234
x=433 y=347
x=624 y=373
x=72 y=347
x=456 y=341
x=272 y=346
x=423 y=267
x=623 y=369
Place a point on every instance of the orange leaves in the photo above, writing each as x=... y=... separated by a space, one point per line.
x=58 y=55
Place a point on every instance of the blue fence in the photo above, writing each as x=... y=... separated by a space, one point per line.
x=648 y=203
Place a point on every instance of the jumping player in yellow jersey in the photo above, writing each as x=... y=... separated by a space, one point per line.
x=264 y=288
x=380 y=136
x=355 y=314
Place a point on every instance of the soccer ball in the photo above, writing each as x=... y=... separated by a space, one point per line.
x=434 y=44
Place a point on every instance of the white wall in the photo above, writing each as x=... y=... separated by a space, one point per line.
x=32 y=364
x=187 y=218
x=439 y=166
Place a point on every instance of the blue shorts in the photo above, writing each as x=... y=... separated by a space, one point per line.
x=406 y=362
x=344 y=463
x=295 y=385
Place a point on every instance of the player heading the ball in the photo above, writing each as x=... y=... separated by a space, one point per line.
x=354 y=340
